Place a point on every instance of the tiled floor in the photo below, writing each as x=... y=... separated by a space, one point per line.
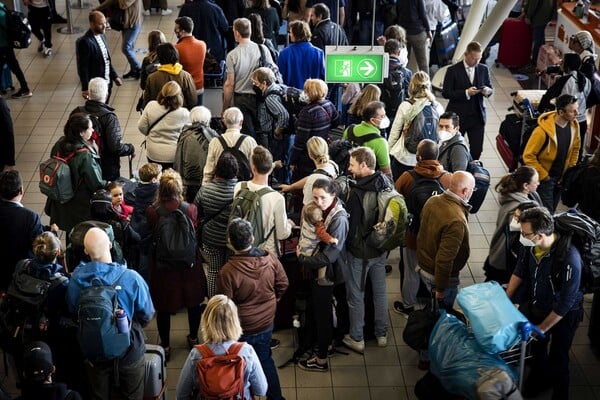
x=382 y=372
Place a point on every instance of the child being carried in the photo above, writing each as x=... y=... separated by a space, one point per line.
x=313 y=233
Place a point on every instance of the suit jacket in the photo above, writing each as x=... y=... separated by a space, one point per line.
x=90 y=63
x=456 y=82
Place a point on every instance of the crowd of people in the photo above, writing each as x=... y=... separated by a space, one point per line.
x=210 y=177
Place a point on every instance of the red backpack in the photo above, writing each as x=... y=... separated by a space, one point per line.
x=221 y=377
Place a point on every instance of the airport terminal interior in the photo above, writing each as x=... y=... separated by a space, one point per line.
x=389 y=372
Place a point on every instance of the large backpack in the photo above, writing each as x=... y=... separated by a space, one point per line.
x=394 y=88
x=339 y=150
x=392 y=218
x=423 y=126
x=18 y=30
x=292 y=100
x=98 y=334
x=422 y=189
x=56 y=180
x=174 y=239
x=75 y=252
x=247 y=205
x=583 y=232
x=244 y=171
x=221 y=377
x=24 y=309
x=192 y=169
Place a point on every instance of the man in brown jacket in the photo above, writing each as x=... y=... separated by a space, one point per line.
x=255 y=280
x=443 y=238
x=417 y=186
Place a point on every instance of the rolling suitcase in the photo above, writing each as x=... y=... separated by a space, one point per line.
x=444 y=44
x=515 y=43
x=155 y=381
x=506 y=153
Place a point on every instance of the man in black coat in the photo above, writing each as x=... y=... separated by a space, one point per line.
x=465 y=85
x=112 y=147
x=325 y=32
x=93 y=57
x=210 y=25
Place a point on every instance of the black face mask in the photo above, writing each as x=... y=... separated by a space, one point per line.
x=257 y=90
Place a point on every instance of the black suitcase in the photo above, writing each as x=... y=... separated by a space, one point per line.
x=511 y=129
x=444 y=44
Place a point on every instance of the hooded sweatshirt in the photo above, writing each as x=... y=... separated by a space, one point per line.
x=171 y=72
x=255 y=281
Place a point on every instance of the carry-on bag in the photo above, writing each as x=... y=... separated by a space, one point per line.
x=444 y=44
x=155 y=380
x=515 y=43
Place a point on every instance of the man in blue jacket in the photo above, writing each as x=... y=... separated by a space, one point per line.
x=133 y=297
x=551 y=301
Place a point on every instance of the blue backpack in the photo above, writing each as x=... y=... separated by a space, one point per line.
x=423 y=126
x=98 y=333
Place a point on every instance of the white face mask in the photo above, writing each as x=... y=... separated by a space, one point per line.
x=514 y=226
x=385 y=123
x=526 y=242
x=444 y=136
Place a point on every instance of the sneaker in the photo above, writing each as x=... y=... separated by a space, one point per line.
x=47 y=51
x=312 y=365
x=22 y=93
x=166 y=11
x=192 y=342
x=275 y=343
x=404 y=311
x=356 y=345
x=147 y=13
x=382 y=341
x=134 y=73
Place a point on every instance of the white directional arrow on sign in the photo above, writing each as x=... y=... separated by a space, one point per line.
x=365 y=68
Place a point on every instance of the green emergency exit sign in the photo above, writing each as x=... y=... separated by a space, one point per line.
x=355 y=66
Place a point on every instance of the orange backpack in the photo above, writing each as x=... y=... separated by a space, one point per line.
x=221 y=377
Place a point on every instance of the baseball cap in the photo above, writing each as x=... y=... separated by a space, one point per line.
x=37 y=361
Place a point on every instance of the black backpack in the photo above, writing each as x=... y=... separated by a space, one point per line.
x=244 y=171
x=393 y=88
x=423 y=126
x=174 y=239
x=291 y=98
x=570 y=187
x=18 y=30
x=339 y=150
x=583 y=232
x=421 y=190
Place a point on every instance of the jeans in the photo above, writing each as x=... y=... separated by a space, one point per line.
x=282 y=150
x=261 y=342
x=450 y=292
x=128 y=46
x=549 y=193
x=131 y=379
x=410 y=284
x=354 y=277
x=420 y=44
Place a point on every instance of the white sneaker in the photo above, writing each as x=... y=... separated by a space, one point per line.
x=356 y=345
x=47 y=51
x=167 y=11
x=382 y=341
x=147 y=13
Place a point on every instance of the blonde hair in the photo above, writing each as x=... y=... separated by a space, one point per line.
x=420 y=86
x=170 y=96
x=315 y=89
x=368 y=94
x=170 y=186
x=46 y=247
x=312 y=213
x=318 y=150
x=220 y=321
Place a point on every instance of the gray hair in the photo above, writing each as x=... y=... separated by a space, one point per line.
x=201 y=115
x=233 y=116
x=98 y=89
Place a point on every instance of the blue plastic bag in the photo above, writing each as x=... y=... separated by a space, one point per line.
x=493 y=317
x=458 y=360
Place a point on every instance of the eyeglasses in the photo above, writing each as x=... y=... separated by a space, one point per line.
x=527 y=235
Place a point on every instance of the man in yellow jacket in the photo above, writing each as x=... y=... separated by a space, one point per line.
x=553 y=147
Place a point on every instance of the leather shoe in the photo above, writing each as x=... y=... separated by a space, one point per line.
x=134 y=73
